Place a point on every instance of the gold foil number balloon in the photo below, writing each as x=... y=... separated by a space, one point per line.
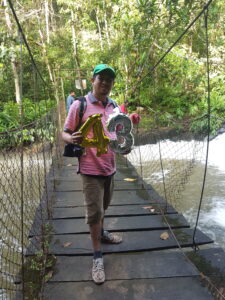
x=121 y=124
x=99 y=140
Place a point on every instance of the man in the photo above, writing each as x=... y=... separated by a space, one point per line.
x=96 y=172
x=124 y=106
x=70 y=100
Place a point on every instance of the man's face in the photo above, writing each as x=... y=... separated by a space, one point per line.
x=72 y=94
x=102 y=83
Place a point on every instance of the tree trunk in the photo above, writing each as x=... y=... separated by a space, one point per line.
x=62 y=87
x=16 y=71
x=99 y=30
x=44 y=50
x=127 y=76
x=14 y=62
x=50 y=71
x=75 y=54
x=47 y=21
x=58 y=101
x=53 y=17
x=106 y=24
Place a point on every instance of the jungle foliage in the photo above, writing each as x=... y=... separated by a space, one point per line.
x=68 y=38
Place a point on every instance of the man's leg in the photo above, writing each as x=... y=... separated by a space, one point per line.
x=95 y=231
x=93 y=190
x=107 y=237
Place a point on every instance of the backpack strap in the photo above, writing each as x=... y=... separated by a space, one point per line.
x=83 y=106
x=114 y=103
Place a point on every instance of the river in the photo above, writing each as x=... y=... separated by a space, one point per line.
x=212 y=214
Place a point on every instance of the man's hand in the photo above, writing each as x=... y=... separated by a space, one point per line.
x=76 y=138
x=72 y=138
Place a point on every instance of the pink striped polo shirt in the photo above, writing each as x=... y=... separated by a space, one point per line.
x=89 y=163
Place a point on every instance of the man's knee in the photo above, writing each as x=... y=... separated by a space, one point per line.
x=94 y=217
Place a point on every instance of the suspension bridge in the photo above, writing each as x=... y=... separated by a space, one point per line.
x=143 y=265
x=45 y=245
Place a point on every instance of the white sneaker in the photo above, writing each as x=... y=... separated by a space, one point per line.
x=98 y=273
x=111 y=238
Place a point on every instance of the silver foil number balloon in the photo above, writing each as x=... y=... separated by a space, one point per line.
x=122 y=126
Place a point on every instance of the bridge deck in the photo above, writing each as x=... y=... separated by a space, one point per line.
x=134 y=269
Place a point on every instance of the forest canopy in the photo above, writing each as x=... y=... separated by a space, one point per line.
x=68 y=38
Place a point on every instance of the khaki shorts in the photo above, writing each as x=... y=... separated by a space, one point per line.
x=97 y=196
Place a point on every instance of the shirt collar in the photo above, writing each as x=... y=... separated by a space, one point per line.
x=93 y=99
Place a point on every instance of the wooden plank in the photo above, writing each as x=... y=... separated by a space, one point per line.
x=67 y=226
x=69 y=161
x=125 y=266
x=113 y=211
x=142 y=289
x=124 y=185
x=68 y=186
x=211 y=262
x=70 y=173
x=68 y=199
x=80 y=244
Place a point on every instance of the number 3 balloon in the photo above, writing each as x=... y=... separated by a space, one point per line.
x=122 y=126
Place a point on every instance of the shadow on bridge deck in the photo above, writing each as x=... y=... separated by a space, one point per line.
x=134 y=269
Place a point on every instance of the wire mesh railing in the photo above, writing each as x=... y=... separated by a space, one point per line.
x=30 y=152
x=164 y=159
x=25 y=191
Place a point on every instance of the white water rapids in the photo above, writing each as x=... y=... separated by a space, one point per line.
x=212 y=214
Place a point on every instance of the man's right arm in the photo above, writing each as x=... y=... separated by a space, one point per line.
x=74 y=138
x=67 y=137
x=71 y=123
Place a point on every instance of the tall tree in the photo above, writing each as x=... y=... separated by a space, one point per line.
x=15 y=63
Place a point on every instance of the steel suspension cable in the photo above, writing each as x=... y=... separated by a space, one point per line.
x=172 y=46
x=22 y=174
x=160 y=152
x=208 y=118
x=25 y=40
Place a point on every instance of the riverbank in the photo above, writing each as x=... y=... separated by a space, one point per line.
x=176 y=130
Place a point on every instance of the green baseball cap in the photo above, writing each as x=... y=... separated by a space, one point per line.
x=102 y=67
